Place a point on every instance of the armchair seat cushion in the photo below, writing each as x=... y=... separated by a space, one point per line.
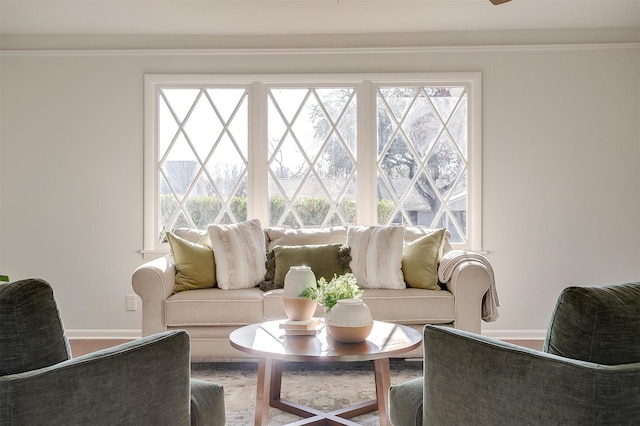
x=207 y=403
x=406 y=403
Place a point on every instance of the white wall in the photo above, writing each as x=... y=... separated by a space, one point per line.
x=561 y=160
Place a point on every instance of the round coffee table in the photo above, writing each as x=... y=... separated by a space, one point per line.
x=272 y=346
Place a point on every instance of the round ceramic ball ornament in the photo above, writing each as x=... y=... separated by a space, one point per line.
x=350 y=321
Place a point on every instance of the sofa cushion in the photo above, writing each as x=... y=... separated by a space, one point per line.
x=324 y=260
x=239 y=254
x=420 y=259
x=407 y=306
x=597 y=324
x=276 y=236
x=215 y=307
x=376 y=253
x=195 y=266
x=410 y=305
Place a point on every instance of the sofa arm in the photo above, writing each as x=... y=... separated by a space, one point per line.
x=145 y=381
x=154 y=281
x=469 y=282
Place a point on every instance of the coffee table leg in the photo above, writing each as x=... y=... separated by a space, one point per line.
x=276 y=380
x=383 y=382
x=263 y=392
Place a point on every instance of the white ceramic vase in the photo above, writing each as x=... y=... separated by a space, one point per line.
x=349 y=321
x=295 y=282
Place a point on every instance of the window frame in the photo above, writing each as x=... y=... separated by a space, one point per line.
x=366 y=85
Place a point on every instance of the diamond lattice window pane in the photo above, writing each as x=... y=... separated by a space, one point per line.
x=397 y=100
x=311 y=155
x=180 y=101
x=398 y=160
x=444 y=99
x=421 y=126
x=422 y=152
x=458 y=126
x=202 y=205
x=347 y=130
x=180 y=166
x=308 y=136
x=225 y=167
x=167 y=127
x=444 y=165
x=226 y=102
x=203 y=156
x=201 y=125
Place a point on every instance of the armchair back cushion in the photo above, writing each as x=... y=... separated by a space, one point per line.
x=31 y=330
x=597 y=324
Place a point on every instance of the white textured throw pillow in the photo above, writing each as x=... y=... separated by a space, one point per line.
x=239 y=254
x=376 y=256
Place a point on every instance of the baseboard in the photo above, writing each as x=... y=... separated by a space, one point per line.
x=516 y=334
x=135 y=334
x=103 y=334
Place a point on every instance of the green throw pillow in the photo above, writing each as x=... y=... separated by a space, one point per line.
x=420 y=259
x=195 y=265
x=324 y=260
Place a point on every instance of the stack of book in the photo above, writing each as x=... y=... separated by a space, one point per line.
x=302 y=328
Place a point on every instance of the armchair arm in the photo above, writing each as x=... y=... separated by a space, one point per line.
x=471 y=379
x=154 y=281
x=470 y=280
x=145 y=381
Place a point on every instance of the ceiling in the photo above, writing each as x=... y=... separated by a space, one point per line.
x=252 y=17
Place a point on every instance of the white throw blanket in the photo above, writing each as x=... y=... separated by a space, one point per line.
x=451 y=259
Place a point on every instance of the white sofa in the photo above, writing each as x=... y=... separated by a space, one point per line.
x=210 y=315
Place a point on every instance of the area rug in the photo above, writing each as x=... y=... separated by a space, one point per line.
x=324 y=386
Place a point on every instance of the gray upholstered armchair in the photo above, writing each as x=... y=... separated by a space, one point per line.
x=146 y=381
x=587 y=374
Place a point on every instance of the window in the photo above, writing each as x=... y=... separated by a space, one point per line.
x=313 y=150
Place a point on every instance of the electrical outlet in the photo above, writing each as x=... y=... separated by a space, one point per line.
x=131 y=303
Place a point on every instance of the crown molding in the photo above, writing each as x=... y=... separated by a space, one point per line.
x=443 y=41
x=320 y=51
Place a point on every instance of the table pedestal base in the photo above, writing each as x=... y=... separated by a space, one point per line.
x=268 y=395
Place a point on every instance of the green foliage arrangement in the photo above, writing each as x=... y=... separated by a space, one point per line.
x=327 y=294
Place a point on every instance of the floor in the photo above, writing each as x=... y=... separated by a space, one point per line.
x=84 y=346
